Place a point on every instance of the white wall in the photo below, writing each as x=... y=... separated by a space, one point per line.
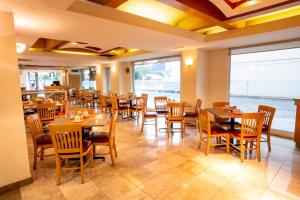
x=125 y=78
x=14 y=163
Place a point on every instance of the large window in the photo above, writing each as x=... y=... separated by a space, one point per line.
x=159 y=77
x=88 y=78
x=268 y=78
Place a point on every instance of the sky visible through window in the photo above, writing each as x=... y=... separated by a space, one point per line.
x=270 y=78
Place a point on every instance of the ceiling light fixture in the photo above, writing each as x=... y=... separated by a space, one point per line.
x=21 y=47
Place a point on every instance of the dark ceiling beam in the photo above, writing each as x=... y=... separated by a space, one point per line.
x=203 y=9
x=110 y=3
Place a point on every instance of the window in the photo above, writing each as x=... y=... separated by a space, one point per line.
x=270 y=78
x=159 y=77
x=88 y=78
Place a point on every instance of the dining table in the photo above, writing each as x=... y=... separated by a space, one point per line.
x=225 y=114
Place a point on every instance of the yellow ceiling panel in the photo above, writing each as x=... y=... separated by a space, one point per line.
x=290 y=12
x=211 y=30
x=154 y=10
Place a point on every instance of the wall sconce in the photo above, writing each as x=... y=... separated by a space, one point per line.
x=113 y=68
x=21 y=47
x=188 y=61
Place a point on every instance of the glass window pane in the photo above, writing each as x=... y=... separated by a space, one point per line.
x=270 y=78
x=159 y=77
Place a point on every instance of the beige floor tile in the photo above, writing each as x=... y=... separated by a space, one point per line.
x=136 y=194
x=158 y=188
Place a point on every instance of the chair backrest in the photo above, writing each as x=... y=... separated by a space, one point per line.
x=269 y=115
x=114 y=103
x=145 y=97
x=102 y=100
x=137 y=102
x=67 y=139
x=204 y=121
x=113 y=126
x=89 y=96
x=198 y=106
x=252 y=124
x=160 y=102
x=175 y=111
x=35 y=126
x=46 y=111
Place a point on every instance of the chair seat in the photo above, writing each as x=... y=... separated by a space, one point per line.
x=190 y=114
x=100 y=137
x=265 y=129
x=135 y=108
x=150 y=114
x=123 y=108
x=43 y=140
x=217 y=130
x=237 y=133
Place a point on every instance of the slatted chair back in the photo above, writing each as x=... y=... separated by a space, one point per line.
x=175 y=111
x=252 y=124
x=46 y=111
x=198 y=106
x=114 y=103
x=67 y=139
x=204 y=121
x=160 y=102
x=269 y=115
x=113 y=126
x=145 y=99
x=102 y=101
x=35 y=126
x=89 y=96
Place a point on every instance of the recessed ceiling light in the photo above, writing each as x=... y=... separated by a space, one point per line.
x=21 y=47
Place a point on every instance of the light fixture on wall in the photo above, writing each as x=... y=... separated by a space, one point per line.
x=98 y=67
x=189 y=61
x=21 y=47
x=113 y=67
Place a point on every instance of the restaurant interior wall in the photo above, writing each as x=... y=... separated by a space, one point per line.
x=14 y=163
x=125 y=77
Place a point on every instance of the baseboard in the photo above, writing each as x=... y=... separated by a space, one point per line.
x=15 y=185
x=284 y=134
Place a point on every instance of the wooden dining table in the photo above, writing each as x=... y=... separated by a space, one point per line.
x=225 y=114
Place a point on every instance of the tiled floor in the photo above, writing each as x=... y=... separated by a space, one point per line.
x=150 y=166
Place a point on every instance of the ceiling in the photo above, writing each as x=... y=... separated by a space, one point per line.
x=141 y=30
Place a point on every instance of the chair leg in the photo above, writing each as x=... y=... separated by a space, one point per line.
x=81 y=170
x=258 y=150
x=155 y=124
x=143 y=121
x=112 y=157
x=34 y=156
x=91 y=157
x=207 y=145
x=242 y=154
x=42 y=153
x=115 y=148
x=200 y=140
x=182 y=129
x=168 y=129
x=227 y=143
x=58 y=170
x=269 y=140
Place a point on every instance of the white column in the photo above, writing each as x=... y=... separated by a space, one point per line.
x=14 y=163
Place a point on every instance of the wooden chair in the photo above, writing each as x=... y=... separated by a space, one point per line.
x=40 y=140
x=107 y=139
x=46 y=112
x=68 y=143
x=123 y=110
x=105 y=107
x=145 y=99
x=193 y=115
x=211 y=131
x=250 y=132
x=147 y=115
x=269 y=115
x=136 y=106
x=89 y=99
x=175 y=115
x=160 y=105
